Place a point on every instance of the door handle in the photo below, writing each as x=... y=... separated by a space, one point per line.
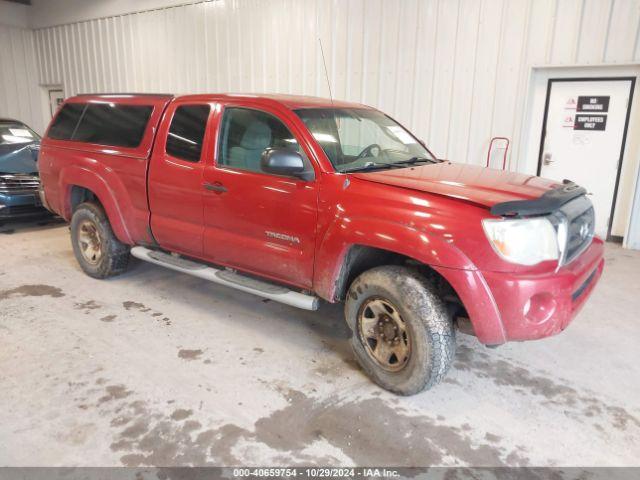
x=215 y=187
x=546 y=159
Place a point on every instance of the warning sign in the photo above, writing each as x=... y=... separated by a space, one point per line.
x=597 y=104
x=568 y=121
x=590 y=122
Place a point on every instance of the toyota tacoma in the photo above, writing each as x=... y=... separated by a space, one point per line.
x=300 y=199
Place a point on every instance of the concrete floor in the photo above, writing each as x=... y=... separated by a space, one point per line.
x=158 y=368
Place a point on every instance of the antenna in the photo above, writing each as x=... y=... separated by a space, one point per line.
x=333 y=110
x=326 y=72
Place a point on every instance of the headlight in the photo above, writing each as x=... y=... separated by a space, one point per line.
x=525 y=241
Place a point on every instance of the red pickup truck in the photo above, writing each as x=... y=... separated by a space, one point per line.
x=298 y=199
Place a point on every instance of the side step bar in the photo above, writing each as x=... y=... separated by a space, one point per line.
x=228 y=278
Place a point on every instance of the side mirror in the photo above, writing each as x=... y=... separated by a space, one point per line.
x=282 y=161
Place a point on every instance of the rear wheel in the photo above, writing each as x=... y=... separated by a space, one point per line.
x=402 y=335
x=98 y=251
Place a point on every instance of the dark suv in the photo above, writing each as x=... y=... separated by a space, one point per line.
x=19 y=181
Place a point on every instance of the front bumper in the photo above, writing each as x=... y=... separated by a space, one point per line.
x=537 y=306
x=17 y=205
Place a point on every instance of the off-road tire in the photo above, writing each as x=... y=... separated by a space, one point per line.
x=432 y=334
x=114 y=254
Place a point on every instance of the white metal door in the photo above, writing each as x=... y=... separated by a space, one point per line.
x=56 y=97
x=583 y=135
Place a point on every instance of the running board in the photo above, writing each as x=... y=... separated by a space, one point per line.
x=228 y=278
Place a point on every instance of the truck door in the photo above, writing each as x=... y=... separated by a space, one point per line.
x=175 y=178
x=256 y=221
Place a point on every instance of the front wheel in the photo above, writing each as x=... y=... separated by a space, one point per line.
x=402 y=335
x=98 y=251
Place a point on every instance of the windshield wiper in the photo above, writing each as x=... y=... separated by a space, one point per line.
x=379 y=166
x=368 y=166
x=415 y=160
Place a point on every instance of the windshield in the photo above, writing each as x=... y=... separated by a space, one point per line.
x=363 y=139
x=16 y=133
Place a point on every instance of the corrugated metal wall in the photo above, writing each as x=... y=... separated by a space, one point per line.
x=19 y=95
x=454 y=71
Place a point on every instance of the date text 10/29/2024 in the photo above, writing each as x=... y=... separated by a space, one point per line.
x=316 y=472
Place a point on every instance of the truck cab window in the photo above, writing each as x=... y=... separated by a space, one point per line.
x=186 y=132
x=246 y=133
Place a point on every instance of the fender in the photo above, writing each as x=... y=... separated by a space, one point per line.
x=81 y=176
x=425 y=247
x=473 y=291
x=384 y=234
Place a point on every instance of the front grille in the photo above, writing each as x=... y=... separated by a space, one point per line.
x=580 y=233
x=19 y=183
x=579 y=220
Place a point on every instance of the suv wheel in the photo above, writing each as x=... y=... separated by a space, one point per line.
x=98 y=251
x=402 y=335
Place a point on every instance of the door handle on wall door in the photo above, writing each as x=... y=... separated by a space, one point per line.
x=215 y=187
x=546 y=158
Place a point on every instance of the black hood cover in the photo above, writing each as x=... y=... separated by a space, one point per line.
x=546 y=203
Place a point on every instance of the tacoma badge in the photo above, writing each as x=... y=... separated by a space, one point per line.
x=282 y=236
